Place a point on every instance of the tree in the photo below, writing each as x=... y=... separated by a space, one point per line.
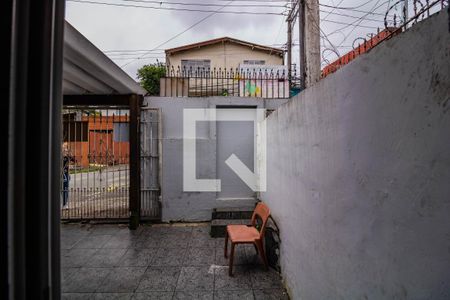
x=149 y=76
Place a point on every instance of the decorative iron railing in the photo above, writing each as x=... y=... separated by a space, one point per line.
x=202 y=82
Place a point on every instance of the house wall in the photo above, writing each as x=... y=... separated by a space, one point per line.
x=359 y=174
x=99 y=145
x=178 y=205
x=225 y=55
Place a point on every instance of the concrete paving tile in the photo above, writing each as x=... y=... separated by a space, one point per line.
x=112 y=296
x=174 y=272
x=271 y=294
x=137 y=257
x=253 y=258
x=70 y=229
x=200 y=231
x=239 y=281
x=240 y=257
x=125 y=231
x=164 y=231
x=106 y=258
x=202 y=242
x=122 y=280
x=68 y=241
x=262 y=279
x=92 y=242
x=159 y=279
x=169 y=257
x=76 y=257
x=188 y=295
x=121 y=241
x=104 y=229
x=201 y=238
x=66 y=273
x=153 y=296
x=146 y=242
x=76 y=296
x=195 y=279
x=176 y=240
x=200 y=257
x=234 y=295
x=85 y=280
x=220 y=242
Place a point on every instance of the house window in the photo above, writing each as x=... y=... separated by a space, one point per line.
x=195 y=64
x=121 y=132
x=254 y=62
x=75 y=131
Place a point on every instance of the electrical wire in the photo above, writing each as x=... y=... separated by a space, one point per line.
x=343 y=23
x=205 y=4
x=354 y=10
x=184 y=31
x=175 y=9
x=345 y=15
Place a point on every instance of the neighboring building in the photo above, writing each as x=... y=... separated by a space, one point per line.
x=225 y=67
x=223 y=53
x=97 y=139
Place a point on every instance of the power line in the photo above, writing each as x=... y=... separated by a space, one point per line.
x=349 y=16
x=360 y=19
x=131 y=50
x=184 y=31
x=375 y=7
x=343 y=23
x=176 y=9
x=204 y=4
x=351 y=8
x=354 y=10
x=332 y=10
x=324 y=35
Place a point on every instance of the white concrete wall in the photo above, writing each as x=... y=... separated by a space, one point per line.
x=178 y=205
x=359 y=174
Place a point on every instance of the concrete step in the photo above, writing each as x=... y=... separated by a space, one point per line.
x=233 y=213
x=219 y=226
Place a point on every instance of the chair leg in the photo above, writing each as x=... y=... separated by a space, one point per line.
x=226 y=245
x=230 y=267
x=262 y=253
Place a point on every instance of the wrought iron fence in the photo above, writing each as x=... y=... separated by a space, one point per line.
x=203 y=82
x=150 y=163
x=95 y=164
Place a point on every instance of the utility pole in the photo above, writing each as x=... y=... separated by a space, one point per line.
x=289 y=48
x=405 y=12
x=309 y=27
x=290 y=20
x=301 y=37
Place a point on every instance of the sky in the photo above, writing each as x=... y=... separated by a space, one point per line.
x=133 y=36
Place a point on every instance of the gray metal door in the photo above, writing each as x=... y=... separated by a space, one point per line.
x=234 y=138
x=150 y=164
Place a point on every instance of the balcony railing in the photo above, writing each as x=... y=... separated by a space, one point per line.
x=260 y=83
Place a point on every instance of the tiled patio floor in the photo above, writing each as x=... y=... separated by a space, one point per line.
x=159 y=262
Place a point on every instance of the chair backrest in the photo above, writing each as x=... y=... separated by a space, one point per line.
x=263 y=212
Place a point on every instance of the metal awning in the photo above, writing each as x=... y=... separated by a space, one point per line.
x=88 y=71
x=90 y=78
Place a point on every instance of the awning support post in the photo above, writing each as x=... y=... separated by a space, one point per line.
x=135 y=162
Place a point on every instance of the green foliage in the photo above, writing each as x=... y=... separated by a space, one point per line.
x=149 y=76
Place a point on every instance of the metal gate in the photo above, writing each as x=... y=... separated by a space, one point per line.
x=150 y=164
x=95 y=164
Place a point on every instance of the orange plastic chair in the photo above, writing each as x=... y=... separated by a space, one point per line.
x=243 y=234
